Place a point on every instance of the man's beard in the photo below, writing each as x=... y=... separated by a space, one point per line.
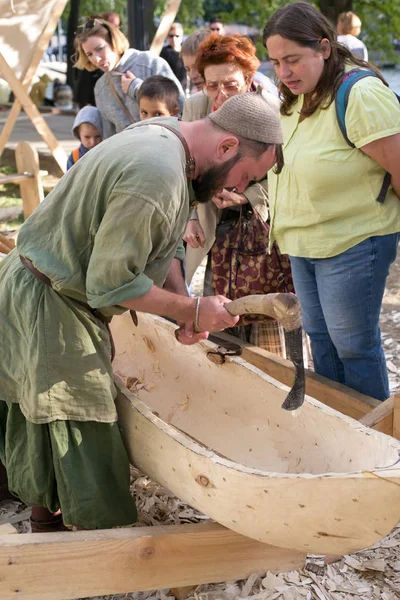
x=206 y=185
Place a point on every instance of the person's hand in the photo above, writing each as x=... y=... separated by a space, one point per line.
x=225 y=199
x=213 y=315
x=126 y=79
x=187 y=336
x=194 y=234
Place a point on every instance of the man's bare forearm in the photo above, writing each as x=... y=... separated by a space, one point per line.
x=164 y=303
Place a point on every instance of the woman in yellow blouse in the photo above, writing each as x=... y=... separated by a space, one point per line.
x=324 y=208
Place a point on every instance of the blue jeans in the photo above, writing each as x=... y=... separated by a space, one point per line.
x=341 y=298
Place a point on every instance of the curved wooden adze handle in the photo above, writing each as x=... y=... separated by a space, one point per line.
x=282 y=307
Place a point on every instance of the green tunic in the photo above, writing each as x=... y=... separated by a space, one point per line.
x=104 y=235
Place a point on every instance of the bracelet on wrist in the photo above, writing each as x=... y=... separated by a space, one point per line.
x=197 y=316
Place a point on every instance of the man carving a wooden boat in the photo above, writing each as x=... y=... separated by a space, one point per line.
x=107 y=239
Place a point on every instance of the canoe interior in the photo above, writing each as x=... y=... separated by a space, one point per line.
x=235 y=410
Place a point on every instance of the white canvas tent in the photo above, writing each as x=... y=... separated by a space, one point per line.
x=26 y=27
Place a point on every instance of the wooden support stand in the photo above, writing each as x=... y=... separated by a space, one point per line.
x=32 y=193
x=28 y=178
x=59 y=566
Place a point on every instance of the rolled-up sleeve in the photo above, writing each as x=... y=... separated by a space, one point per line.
x=131 y=235
x=372 y=113
x=257 y=194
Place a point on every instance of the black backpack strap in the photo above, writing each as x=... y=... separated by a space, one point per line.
x=342 y=97
x=341 y=102
x=385 y=186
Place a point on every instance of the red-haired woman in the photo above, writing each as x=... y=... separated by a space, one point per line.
x=228 y=64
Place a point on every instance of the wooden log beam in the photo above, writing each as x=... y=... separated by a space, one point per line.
x=165 y=24
x=92 y=563
x=9 y=125
x=396 y=416
x=15 y=178
x=333 y=394
x=31 y=188
x=382 y=414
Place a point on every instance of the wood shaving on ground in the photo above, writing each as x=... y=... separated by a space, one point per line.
x=372 y=574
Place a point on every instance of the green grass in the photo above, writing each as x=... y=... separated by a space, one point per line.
x=9 y=193
x=10 y=196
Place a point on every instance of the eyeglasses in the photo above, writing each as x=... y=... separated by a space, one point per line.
x=171 y=35
x=229 y=87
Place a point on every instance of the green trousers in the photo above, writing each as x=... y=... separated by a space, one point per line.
x=81 y=468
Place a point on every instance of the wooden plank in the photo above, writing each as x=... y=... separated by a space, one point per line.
x=16 y=178
x=165 y=24
x=34 y=115
x=396 y=417
x=32 y=193
x=333 y=394
x=379 y=414
x=92 y=563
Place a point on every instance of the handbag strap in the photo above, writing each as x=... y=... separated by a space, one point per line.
x=117 y=97
x=190 y=162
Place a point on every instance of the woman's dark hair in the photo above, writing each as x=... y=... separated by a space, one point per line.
x=302 y=23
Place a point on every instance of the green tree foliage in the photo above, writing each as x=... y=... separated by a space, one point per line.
x=380 y=18
x=190 y=14
x=214 y=8
x=381 y=26
x=95 y=7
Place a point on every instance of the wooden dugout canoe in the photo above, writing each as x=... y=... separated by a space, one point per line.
x=217 y=437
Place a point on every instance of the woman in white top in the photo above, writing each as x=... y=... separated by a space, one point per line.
x=349 y=28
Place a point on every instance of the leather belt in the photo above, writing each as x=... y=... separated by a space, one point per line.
x=96 y=313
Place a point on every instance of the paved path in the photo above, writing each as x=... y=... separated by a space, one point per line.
x=24 y=130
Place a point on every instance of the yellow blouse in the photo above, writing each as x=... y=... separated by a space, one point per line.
x=324 y=201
